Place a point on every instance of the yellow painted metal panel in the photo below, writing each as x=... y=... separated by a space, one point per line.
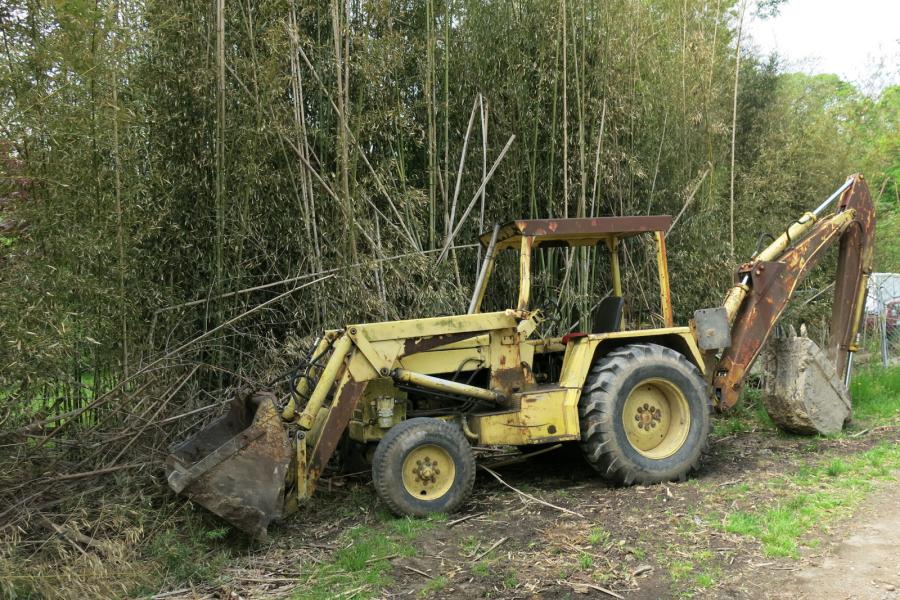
x=361 y=368
x=577 y=362
x=544 y=415
x=329 y=374
x=379 y=361
x=413 y=328
x=507 y=373
x=446 y=361
x=476 y=340
x=525 y=272
x=662 y=265
x=613 y=245
x=580 y=352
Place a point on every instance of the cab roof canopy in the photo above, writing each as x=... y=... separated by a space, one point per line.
x=575 y=232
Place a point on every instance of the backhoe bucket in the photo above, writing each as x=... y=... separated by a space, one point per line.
x=802 y=391
x=236 y=467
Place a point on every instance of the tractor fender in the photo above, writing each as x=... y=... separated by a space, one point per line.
x=582 y=352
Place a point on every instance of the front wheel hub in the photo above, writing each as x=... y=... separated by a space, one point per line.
x=428 y=472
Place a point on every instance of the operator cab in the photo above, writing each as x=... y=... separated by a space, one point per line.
x=600 y=312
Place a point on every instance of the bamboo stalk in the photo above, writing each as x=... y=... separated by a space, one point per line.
x=737 y=70
x=469 y=208
x=482 y=107
x=337 y=25
x=220 y=138
x=117 y=170
x=597 y=160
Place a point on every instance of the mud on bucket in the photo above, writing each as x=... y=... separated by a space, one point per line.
x=803 y=393
x=236 y=466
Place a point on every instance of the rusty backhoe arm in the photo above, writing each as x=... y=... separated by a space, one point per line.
x=765 y=286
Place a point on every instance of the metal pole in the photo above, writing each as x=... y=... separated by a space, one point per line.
x=784 y=241
x=477 y=292
x=831 y=198
x=849 y=367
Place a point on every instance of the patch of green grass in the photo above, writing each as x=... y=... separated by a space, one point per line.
x=470 y=545
x=837 y=467
x=511 y=580
x=482 y=568
x=598 y=536
x=585 y=561
x=434 y=585
x=705 y=580
x=680 y=569
x=876 y=394
x=728 y=425
x=743 y=523
x=638 y=553
x=194 y=555
x=361 y=564
x=410 y=527
x=833 y=487
x=747 y=415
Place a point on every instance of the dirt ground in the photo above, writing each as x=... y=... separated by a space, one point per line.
x=859 y=562
x=573 y=536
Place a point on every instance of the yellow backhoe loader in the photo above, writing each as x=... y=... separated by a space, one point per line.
x=638 y=401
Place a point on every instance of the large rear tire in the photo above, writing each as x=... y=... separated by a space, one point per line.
x=423 y=466
x=645 y=415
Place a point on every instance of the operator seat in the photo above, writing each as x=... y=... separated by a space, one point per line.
x=607 y=316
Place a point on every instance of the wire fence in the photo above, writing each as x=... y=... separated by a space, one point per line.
x=880 y=334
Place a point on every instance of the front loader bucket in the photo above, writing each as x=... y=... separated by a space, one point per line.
x=802 y=391
x=236 y=466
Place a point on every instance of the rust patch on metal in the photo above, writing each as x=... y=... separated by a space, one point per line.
x=774 y=283
x=562 y=228
x=341 y=411
x=854 y=263
x=508 y=380
x=236 y=467
x=415 y=345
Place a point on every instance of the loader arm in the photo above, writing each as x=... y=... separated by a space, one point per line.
x=766 y=285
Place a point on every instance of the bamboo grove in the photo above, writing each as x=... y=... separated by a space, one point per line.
x=190 y=190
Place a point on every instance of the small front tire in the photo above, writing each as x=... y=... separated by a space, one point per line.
x=423 y=466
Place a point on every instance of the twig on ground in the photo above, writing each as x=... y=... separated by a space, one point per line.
x=97 y=472
x=576 y=585
x=529 y=496
x=488 y=551
x=377 y=558
x=641 y=570
x=463 y=519
x=415 y=570
x=73 y=537
x=731 y=482
x=722 y=439
x=169 y=594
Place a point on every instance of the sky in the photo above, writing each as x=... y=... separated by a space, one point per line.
x=845 y=37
